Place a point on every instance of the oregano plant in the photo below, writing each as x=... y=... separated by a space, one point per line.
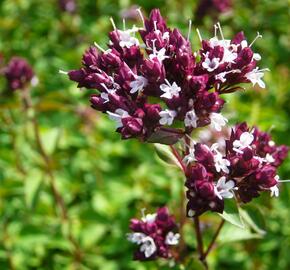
x=158 y=89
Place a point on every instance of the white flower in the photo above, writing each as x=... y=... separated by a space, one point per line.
x=190 y=157
x=274 y=191
x=170 y=90
x=172 y=239
x=229 y=56
x=138 y=85
x=105 y=95
x=269 y=158
x=126 y=40
x=190 y=119
x=149 y=218
x=224 y=189
x=217 y=121
x=167 y=117
x=255 y=77
x=211 y=64
x=257 y=57
x=117 y=116
x=165 y=36
x=221 y=164
x=225 y=43
x=148 y=246
x=136 y=237
x=245 y=140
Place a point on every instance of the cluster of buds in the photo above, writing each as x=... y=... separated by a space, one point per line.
x=19 y=74
x=154 y=234
x=184 y=86
x=244 y=167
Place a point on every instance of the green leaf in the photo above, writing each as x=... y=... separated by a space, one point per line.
x=231 y=214
x=253 y=218
x=33 y=185
x=50 y=139
x=166 y=136
x=165 y=154
x=231 y=233
x=194 y=263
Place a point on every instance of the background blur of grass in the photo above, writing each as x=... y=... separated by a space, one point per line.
x=103 y=180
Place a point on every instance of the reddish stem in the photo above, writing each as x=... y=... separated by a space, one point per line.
x=213 y=239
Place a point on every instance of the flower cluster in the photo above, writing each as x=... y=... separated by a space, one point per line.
x=244 y=168
x=148 y=87
x=154 y=234
x=19 y=73
x=69 y=6
x=212 y=6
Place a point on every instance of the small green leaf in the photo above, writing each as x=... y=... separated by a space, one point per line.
x=165 y=154
x=33 y=184
x=50 y=139
x=253 y=219
x=231 y=214
x=166 y=136
x=231 y=233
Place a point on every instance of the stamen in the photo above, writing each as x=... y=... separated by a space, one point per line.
x=215 y=30
x=124 y=24
x=106 y=88
x=99 y=47
x=199 y=35
x=283 y=181
x=62 y=72
x=113 y=23
x=258 y=36
x=192 y=140
x=220 y=29
x=167 y=82
x=141 y=16
x=155 y=26
x=189 y=29
x=143 y=210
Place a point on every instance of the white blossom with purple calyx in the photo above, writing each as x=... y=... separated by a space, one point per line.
x=211 y=64
x=223 y=189
x=167 y=117
x=104 y=95
x=221 y=164
x=117 y=116
x=190 y=119
x=255 y=77
x=218 y=121
x=149 y=218
x=148 y=246
x=170 y=90
x=172 y=238
x=245 y=141
x=136 y=237
x=126 y=40
x=138 y=85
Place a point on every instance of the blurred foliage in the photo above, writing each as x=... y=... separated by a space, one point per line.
x=104 y=181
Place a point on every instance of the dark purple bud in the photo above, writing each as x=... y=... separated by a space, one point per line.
x=18 y=73
x=131 y=127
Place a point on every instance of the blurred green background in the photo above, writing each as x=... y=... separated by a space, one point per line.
x=105 y=181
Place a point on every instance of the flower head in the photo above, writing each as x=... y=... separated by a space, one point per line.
x=154 y=234
x=161 y=66
x=19 y=74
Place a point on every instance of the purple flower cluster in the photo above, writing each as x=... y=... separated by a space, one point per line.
x=18 y=73
x=206 y=7
x=147 y=87
x=69 y=6
x=244 y=168
x=154 y=234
